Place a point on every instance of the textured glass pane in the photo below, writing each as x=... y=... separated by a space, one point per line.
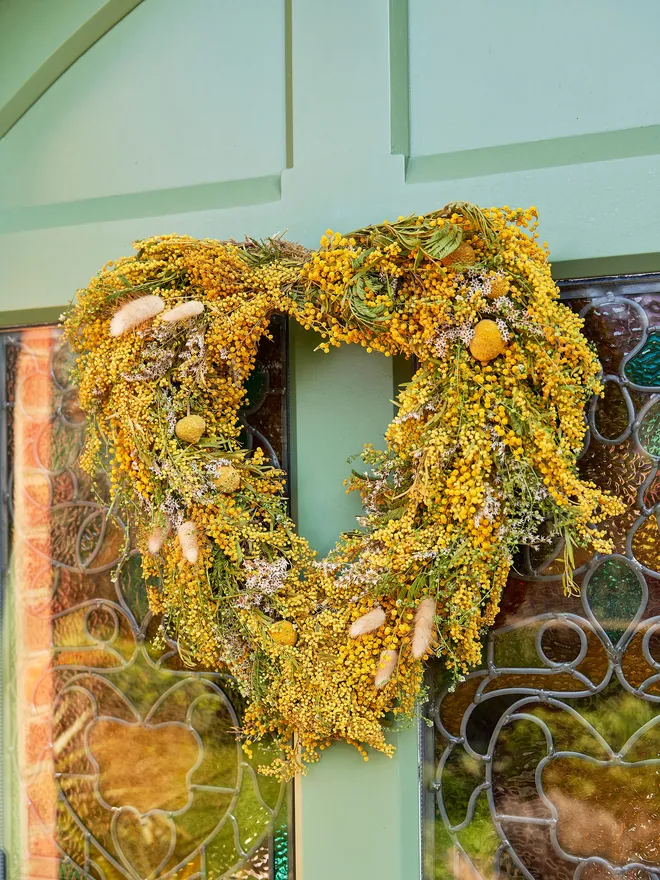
x=545 y=762
x=613 y=411
x=615 y=327
x=119 y=761
x=649 y=430
x=644 y=367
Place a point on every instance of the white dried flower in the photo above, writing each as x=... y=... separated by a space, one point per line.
x=264 y=578
x=183 y=311
x=386 y=666
x=504 y=330
x=423 y=632
x=367 y=623
x=490 y=509
x=463 y=332
x=187 y=534
x=134 y=313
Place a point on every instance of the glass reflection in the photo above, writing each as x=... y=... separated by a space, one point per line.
x=545 y=762
x=118 y=761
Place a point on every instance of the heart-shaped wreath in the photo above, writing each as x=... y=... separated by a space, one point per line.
x=480 y=458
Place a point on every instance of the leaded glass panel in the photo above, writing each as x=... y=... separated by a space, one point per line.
x=118 y=760
x=544 y=763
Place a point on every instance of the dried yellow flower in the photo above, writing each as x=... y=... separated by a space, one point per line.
x=227 y=479
x=464 y=255
x=284 y=633
x=498 y=287
x=189 y=429
x=487 y=342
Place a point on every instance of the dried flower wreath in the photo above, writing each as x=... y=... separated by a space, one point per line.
x=480 y=458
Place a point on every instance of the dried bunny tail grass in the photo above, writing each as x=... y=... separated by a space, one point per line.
x=183 y=312
x=134 y=313
x=156 y=540
x=367 y=623
x=423 y=632
x=187 y=534
x=386 y=666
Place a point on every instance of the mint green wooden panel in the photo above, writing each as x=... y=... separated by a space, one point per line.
x=52 y=36
x=358 y=819
x=341 y=401
x=513 y=72
x=343 y=172
x=276 y=115
x=38 y=27
x=168 y=98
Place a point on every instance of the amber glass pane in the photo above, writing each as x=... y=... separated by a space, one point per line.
x=119 y=762
x=545 y=762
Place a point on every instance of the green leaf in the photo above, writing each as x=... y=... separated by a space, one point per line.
x=361 y=258
x=373 y=284
x=443 y=241
x=477 y=218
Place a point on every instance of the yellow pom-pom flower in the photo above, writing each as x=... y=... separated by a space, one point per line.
x=189 y=429
x=284 y=633
x=464 y=255
x=227 y=479
x=487 y=342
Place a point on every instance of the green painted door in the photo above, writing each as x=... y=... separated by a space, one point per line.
x=122 y=119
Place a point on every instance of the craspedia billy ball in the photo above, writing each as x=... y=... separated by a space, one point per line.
x=487 y=342
x=283 y=633
x=464 y=255
x=190 y=429
x=227 y=479
x=498 y=287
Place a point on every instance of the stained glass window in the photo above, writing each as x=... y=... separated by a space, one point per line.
x=118 y=760
x=544 y=763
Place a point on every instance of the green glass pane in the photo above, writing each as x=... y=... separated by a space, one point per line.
x=570 y=734
x=516 y=648
x=133 y=588
x=460 y=776
x=480 y=840
x=649 y=430
x=616 y=715
x=281 y=844
x=644 y=367
x=614 y=593
x=255 y=386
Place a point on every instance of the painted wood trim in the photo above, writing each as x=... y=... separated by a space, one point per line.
x=627 y=143
x=399 y=78
x=150 y=203
x=30 y=317
x=208 y=196
x=288 y=79
x=62 y=58
x=630 y=264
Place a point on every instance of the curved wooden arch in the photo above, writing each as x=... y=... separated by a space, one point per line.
x=62 y=58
